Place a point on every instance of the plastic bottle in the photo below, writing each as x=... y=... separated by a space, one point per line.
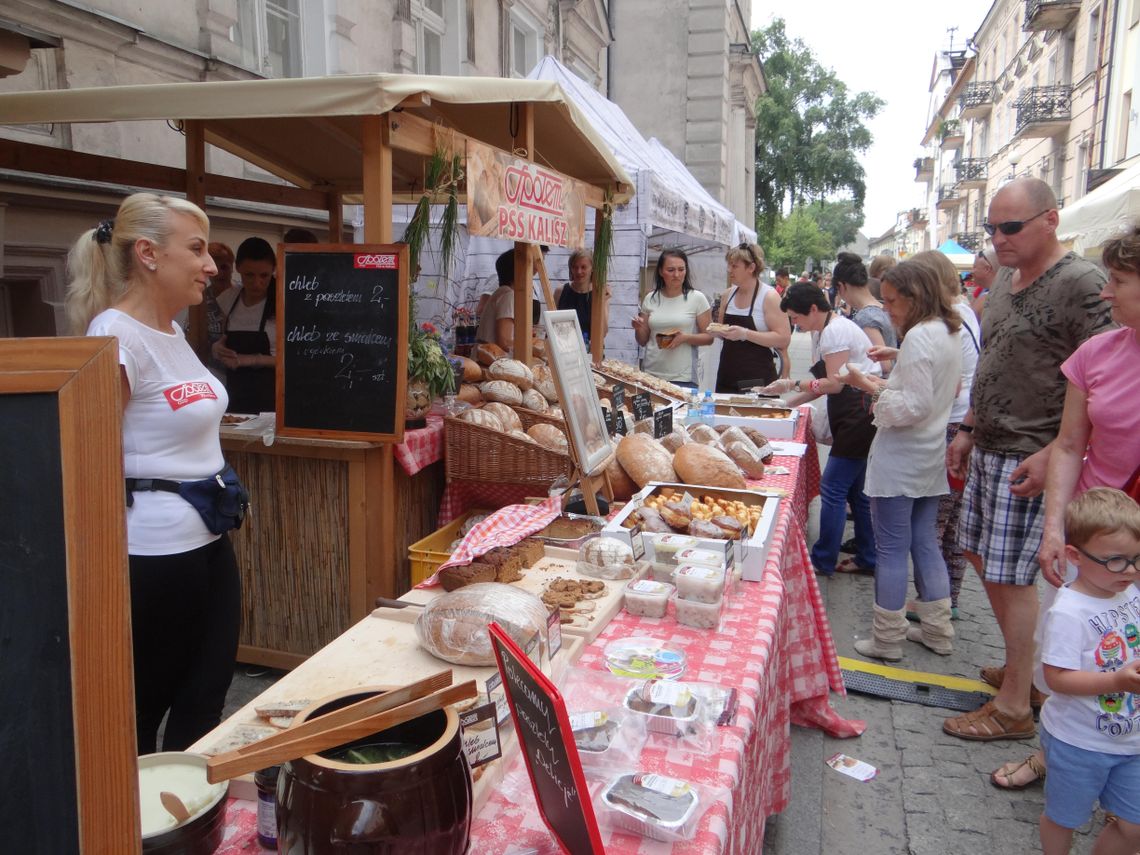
x=708 y=408
x=693 y=412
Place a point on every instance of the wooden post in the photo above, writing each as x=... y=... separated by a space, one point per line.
x=196 y=193
x=543 y=277
x=597 y=302
x=523 y=291
x=336 y=218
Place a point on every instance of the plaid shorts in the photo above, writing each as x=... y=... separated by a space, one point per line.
x=1004 y=529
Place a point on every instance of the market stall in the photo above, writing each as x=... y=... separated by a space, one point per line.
x=363 y=137
x=1101 y=214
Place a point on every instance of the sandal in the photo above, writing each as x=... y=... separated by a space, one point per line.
x=988 y=724
x=993 y=675
x=848 y=546
x=850 y=565
x=1003 y=776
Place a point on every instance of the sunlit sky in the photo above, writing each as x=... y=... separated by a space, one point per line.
x=886 y=47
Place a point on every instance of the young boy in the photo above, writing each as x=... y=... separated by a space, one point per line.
x=1090 y=726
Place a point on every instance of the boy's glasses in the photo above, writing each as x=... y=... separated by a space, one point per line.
x=1010 y=227
x=1114 y=563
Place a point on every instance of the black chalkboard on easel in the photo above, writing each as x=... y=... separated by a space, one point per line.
x=342 y=341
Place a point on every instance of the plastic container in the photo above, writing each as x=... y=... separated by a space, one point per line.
x=698 y=558
x=708 y=408
x=678 y=797
x=426 y=555
x=644 y=658
x=697 y=614
x=663 y=546
x=662 y=572
x=699 y=584
x=266 y=781
x=670 y=709
x=646 y=598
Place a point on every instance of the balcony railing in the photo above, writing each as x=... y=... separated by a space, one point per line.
x=1043 y=111
x=968 y=240
x=951 y=135
x=947 y=196
x=971 y=172
x=976 y=99
x=1050 y=14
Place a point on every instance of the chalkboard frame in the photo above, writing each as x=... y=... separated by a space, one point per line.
x=83 y=376
x=564 y=363
x=400 y=356
x=508 y=652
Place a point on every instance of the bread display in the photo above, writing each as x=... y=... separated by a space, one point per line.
x=453 y=627
x=632 y=375
x=470 y=394
x=507 y=417
x=645 y=459
x=485 y=353
x=453 y=578
x=480 y=416
x=702 y=508
x=747 y=458
x=703 y=434
x=512 y=371
x=548 y=436
x=534 y=400
x=623 y=486
x=472 y=370
x=702 y=464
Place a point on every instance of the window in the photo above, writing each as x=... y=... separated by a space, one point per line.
x=440 y=26
x=525 y=37
x=1093 y=49
x=431 y=32
x=1082 y=176
x=270 y=35
x=1125 y=123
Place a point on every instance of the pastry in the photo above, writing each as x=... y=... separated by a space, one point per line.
x=675 y=520
x=704 y=528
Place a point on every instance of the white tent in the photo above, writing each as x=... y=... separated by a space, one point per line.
x=1102 y=214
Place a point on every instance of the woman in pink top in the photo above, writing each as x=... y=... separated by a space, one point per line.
x=1097 y=445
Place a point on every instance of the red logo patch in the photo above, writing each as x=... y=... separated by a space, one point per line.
x=187 y=393
x=376 y=261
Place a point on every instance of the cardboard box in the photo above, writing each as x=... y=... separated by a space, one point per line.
x=779 y=428
x=750 y=554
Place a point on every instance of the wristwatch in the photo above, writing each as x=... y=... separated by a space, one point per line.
x=796 y=387
x=966 y=428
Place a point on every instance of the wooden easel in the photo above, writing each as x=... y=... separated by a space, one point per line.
x=591 y=484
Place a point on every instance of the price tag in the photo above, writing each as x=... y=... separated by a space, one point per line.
x=637 y=542
x=642 y=408
x=618 y=396
x=480 y=733
x=608 y=414
x=662 y=422
x=553 y=633
x=497 y=695
x=620 y=425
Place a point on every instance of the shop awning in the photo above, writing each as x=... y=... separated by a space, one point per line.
x=1102 y=214
x=962 y=257
x=308 y=130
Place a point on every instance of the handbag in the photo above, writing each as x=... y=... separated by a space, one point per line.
x=221 y=500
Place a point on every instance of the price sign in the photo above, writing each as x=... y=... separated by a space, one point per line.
x=553 y=633
x=620 y=425
x=662 y=422
x=618 y=396
x=611 y=425
x=480 y=735
x=642 y=408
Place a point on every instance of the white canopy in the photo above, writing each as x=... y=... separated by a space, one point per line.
x=1102 y=214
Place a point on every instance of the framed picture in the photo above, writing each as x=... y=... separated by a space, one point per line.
x=570 y=365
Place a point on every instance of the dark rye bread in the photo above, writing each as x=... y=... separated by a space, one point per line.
x=507 y=562
x=531 y=551
x=457 y=577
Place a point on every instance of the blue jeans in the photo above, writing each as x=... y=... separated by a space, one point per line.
x=904 y=525
x=842 y=483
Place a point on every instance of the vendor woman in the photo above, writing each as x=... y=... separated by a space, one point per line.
x=248 y=349
x=577 y=294
x=752 y=324
x=673 y=321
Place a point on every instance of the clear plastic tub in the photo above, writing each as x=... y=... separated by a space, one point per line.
x=699 y=584
x=697 y=614
x=644 y=658
x=646 y=598
x=653 y=806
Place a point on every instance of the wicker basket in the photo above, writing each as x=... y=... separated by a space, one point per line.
x=477 y=453
x=530 y=418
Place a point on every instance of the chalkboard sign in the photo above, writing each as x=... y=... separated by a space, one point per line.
x=342 y=341
x=548 y=748
x=618 y=396
x=611 y=424
x=662 y=422
x=642 y=409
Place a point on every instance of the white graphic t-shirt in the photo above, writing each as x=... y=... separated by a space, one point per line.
x=1084 y=633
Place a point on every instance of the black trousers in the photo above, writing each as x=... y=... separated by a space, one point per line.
x=185 y=616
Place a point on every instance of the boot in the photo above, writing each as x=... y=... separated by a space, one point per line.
x=934 y=630
x=887 y=633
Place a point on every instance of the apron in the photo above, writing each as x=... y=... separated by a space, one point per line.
x=251 y=390
x=742 y=363
x=849 y=414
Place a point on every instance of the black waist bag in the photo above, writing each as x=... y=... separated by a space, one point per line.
x=221 y=500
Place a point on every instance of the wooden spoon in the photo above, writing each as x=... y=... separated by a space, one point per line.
x=174 y=806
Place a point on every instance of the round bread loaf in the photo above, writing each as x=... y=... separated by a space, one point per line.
x=703 y=434
x=605 y=552
x=538 y=348
x=550 y=437
x=486 y=353
x=472 y=370
x=533 y=400
x=710 y=467
x=470 y=394
x=747 y=458
x=479 y=416
x=501 y=391
x=453 y=627
x=512 y=371
x=504 y=414
x=676 y=439
x=555 y=413
x=623 y=486
x=645 y=459
x=548 y=389
x=519 y=434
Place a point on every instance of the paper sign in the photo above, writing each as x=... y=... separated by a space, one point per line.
x=663 y=422
x=498 y=696
x=480 y=735
x=553 y=633
x=852 y=768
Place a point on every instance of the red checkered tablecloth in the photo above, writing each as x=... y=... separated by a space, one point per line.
x=421 y=448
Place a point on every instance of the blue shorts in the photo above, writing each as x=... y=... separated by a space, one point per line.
x=1079 y=778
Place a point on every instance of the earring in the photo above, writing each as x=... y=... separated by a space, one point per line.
x=152 y=267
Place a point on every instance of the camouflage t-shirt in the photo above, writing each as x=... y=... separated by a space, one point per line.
x=1019 y=390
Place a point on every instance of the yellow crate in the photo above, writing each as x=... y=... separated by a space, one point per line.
x=426 y=555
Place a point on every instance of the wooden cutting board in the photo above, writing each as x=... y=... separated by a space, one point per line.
x=558 y=562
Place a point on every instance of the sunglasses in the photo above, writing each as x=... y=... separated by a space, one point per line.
x=1010 y=227
x=1114 y=563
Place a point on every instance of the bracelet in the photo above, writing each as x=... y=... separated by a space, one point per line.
x=814 y=386
x=878 y=393
x=965 y=428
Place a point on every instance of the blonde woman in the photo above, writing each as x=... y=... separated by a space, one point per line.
x=130 y=277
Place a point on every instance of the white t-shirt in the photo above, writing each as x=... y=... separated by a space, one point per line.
x=501 y=306
x=969 y=338
x=247 y=318
x=844 y=334
x=170 y=430
x=1084 y=633
x=666 y=314
x=731 y=308
x=908 y=454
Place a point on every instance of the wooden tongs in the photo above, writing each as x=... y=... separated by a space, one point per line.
x=358 y=720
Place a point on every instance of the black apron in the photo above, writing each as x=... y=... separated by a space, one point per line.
x=744 y=364
x=849 y=414
x=251 y=389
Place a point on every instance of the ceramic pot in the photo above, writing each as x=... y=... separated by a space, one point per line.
x=417 y=404
x=199 y=835
x=419 y=805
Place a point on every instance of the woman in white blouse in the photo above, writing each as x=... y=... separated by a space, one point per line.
x=906 y=470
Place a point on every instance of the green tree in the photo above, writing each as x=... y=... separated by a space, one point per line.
x=809 y=129
x=795 y=239
x=839 y=220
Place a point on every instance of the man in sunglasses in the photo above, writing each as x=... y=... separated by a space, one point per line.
x=1043 y=303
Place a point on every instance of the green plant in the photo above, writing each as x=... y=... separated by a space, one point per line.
x=426 y=359
x=949 y=128
x=604 y=242
x=442 y=175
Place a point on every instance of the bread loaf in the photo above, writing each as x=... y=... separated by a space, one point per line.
x=472 y=371
x=702 y=464
x=486 y=353
x=761 y=443
x=550 y=437
x=470 y=394
x=703 y=434
x=509 y=418
x=521 y=434
x=453 y=627
x=676 y=439
x=501 y=391
x=533 y=400
x=605 y=552
x=645 y=459
x=538 y=348
x=735 y=434
x=512 y=371
x=479 y=416
x=747 y=458
x=623 y=486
